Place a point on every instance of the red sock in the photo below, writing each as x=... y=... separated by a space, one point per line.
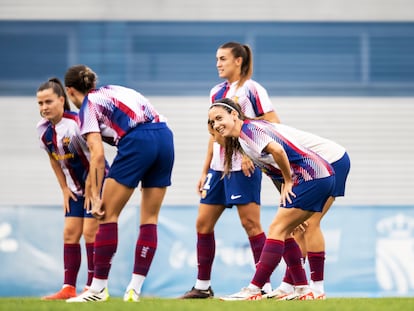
x=145 y=248
x=287 y=277
x=293 y=258
x=269 y=259
x=89 y=256
x=316 y=265
x=206 y=250
x=71 y=263
x=256 y=243
x=106 y=242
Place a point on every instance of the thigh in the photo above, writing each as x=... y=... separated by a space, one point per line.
x=114 y=197
x=207 y=217
x=249 y=215
x=249 y=211
x=72 y=230
x=151 y=201
x=286 y=220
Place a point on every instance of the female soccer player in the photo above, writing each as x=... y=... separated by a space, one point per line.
x=60 y=137
x=145 y=153
x=311 y=240
x=242 y=187
x=307 y=180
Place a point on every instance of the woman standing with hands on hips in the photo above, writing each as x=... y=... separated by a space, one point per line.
x=307 y=182
x=123 y=118
x=69 y=156
x=242 y=188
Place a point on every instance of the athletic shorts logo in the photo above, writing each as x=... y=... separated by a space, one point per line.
x=234 y=197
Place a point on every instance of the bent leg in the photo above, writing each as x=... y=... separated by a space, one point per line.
x=249 y=215
x=282 y=226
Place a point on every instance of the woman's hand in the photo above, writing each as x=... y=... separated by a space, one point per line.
x=286 y=193
x=247 y=166
x=300 y=229
x=97 y=209
x=88 y=196
x=67 y=195
x=200 y=185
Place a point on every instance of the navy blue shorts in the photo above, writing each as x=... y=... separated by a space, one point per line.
x=77 y=210
x=341 y=167
x=235 y=189
x=312 y=195
x=146 y=155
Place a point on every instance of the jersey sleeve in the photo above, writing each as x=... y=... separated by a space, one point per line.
x=256 y=101
x=89 y=118
x=265 y=101
x=255 y=137
x=41 y=128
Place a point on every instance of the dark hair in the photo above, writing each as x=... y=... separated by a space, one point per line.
x=58 y=89
x=229 y=105
x=81 y=77
x=232 y=144
x=243 y=51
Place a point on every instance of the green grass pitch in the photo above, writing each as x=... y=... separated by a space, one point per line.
x=161 y=304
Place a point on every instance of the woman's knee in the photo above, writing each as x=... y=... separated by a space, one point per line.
x=89 y=233
x=251 y=226
x=205 y=225
x=71 y=234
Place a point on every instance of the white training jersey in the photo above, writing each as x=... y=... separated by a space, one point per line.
x=254 y=102
x=326 y=148
x=65 y=144
x=305 y=164
x=113 y=110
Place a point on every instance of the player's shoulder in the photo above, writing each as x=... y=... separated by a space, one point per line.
x=72 y=115
x=41 y=123
x=252 y=84
x=218 y=86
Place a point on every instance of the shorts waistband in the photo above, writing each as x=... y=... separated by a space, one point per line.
x=151 y=125
x=148 y=126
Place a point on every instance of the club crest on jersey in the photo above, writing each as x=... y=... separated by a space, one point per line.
x=66 y=141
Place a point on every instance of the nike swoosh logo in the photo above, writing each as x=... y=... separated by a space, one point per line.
x=234 y=197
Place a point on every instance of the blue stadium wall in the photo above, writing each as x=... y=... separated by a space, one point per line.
x=178 y=58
